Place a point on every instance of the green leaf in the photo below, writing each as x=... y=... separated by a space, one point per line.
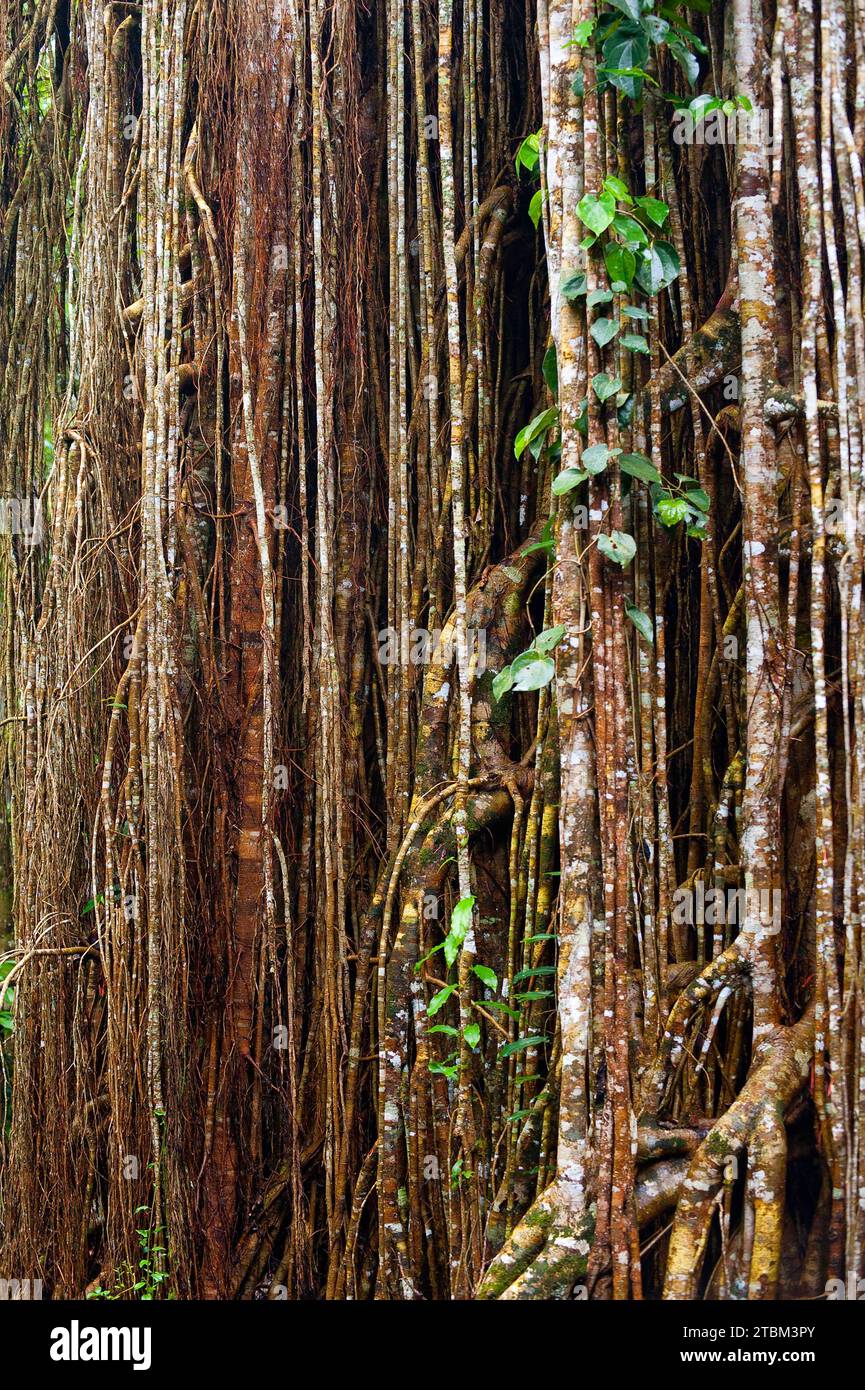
x=6 y=1021
x=596 y=458
x=502 y=683
x=638 y=466
x=597 y=212
x=549 y=638
x=603 y=331
x=671 y=510
x=444 y=1028
x=461 y=920
x=642 y=622
x=688 y=61
x=700 y=106
x=530 y=971
x=625 y=412
x=497 y=1004
x=535 y=207
x=634 y=342
x=618 y=547
x=531 y=996
x=442 y=1069
x=520 y=1044
x=658 y=267
x=550 y=370
x=572 y=285
x=629 y=7
x=618 y=187
x=486 y=976
x=632 y=311
x=583 y=32
x=620 y=262
x=566 y=480
x=605 y=386
x=472 y=1034
x=532 y=671
x=656 y=28
x=534 y=429
x=528 y=155
x=630 y=229
x=440 y=999
x=698 y=498
x=598 y=297
x=626 y=48
x=655 y=210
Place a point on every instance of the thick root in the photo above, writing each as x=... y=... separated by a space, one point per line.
x=754 y=1122
x=548 y=1253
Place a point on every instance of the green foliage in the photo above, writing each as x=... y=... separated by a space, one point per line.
x=534 y=432
x=533 y=668
x=603 y=331
x=618 y=547
x=147 y=1280
x=638 y=466
x=642 y=622
x=529 y=154
x=519 y=1044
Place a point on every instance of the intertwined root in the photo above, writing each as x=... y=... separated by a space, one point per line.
x=753 y=1123
x=548 y=1253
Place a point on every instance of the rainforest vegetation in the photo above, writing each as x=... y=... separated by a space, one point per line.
x=433 y=676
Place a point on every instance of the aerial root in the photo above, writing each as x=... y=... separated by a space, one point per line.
x=753 y=1123
x=548 y=1254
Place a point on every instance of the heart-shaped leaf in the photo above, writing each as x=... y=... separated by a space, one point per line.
x=566 y=480
x=572 y=285
x=671 y=510
x=605 y=386
x=618 y=546
x=597 y=212
x=598 y=297
x=638 y=466
x=549 y=638
x=596 y=458
x=532 y=671
x=620 y=262
x=603 y=331
x=642 y=622
x=634 y=342
x=655 y=210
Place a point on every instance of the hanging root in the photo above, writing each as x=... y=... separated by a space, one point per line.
x=754 y=1124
